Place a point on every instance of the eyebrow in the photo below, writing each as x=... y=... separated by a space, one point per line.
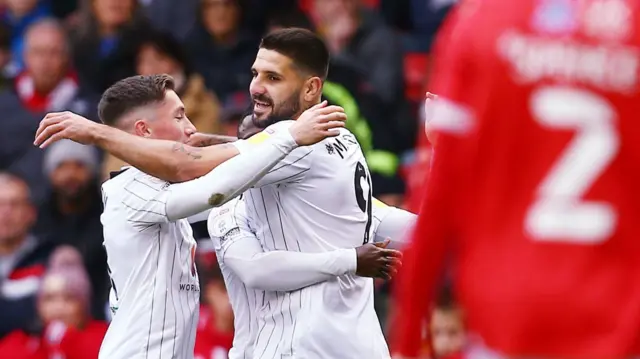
x=179 y=110
x=272 y=73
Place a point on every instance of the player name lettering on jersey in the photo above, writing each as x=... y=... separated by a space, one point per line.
x=536 y=58
x=341 y=144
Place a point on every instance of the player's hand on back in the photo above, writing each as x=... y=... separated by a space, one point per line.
x=376 y=261
x=317 y=123
x=65 y=125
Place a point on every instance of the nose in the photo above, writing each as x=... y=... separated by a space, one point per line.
x=256 y=88
x=189 y=129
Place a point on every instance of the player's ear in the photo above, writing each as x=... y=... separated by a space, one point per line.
x=312 y=89
x=142 y=129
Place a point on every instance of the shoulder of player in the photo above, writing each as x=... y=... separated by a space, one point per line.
x=226 y=217
x=134 y=184
x=345 y=142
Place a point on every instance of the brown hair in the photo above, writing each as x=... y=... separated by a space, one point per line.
x=131 y=93
x=305 y=48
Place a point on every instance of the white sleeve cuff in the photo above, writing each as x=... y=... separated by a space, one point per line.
x=283 y=140
x=346 y=261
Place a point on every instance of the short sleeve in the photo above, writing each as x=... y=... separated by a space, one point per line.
x=227 y=225
x=145 y=200
x=290 y=169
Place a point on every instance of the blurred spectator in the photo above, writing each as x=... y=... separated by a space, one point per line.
x=214 y=337
x=105 y=41
x=71 y=214
x=19 y=15
x=360 y=38
x=167 y=16
x=222 y=51
x=63 y=308
x=65 y=256
x=47 y=84
x=447 y=328
x=160 y=53
x=354 y=35
x=22 y=255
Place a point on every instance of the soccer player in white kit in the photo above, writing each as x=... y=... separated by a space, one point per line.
x=150 y=246
x=248 y=271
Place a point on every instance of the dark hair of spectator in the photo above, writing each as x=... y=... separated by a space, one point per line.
x=240 y=4
x=445 y=300
x=289 y=18
x=305 y=48
x=169 y=46
x=88 y=25
x=131 y=93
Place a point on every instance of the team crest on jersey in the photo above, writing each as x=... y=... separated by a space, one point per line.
x=555 y=16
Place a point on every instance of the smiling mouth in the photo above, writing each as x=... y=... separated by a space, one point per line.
x=259 y=106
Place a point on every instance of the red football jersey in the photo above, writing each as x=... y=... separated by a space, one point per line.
x=210 y=342
x=534 y=185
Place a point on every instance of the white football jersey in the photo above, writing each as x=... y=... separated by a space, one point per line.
x=155 y=290
x=228 y=226
x=245 y=301
x=319 y=198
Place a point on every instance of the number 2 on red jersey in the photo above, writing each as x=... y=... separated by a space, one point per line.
x=559 y=212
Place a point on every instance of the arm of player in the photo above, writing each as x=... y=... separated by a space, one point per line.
x=290 y=169
x=394 y=223
x=239 y=249
x=170 y=202
x=169 y=160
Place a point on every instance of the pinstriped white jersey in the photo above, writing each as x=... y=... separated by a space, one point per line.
x=155 y=291
x=227 y=224
x=317 y=199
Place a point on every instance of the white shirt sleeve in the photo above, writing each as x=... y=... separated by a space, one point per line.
x=164 y=202
x=290 y=169
x=393 y=223
x=239 y=249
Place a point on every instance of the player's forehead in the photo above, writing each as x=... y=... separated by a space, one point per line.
x=272 y=61
x=171 y=103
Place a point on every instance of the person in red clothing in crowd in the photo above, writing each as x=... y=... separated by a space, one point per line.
x=214 y=337
x=63 y=308
x=532 y=195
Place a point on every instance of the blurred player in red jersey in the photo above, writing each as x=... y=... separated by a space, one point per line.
x=534 y=192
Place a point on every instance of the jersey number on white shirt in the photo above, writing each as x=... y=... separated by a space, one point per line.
x=362 y=184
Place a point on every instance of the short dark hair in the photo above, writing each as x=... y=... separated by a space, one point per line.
x=131 y=93
x=305 y=48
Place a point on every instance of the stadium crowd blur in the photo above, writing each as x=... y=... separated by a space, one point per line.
x=58 y=55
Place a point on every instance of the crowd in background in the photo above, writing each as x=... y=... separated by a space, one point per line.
x=58 y=55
